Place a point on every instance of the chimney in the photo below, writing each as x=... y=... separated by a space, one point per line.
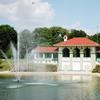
x=65 y=37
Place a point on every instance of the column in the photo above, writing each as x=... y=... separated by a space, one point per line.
x=52 y=60
x=81 y=59
x=71 y=59
x=93 y=57
x=51 y=55
x=43 y=57
x=59 y=59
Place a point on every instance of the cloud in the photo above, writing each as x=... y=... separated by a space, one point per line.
x=6 y=1
x=78 y=26
x=27 y=13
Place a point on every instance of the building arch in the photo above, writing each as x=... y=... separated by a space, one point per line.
x=87 y=52
x=66 y=52
x=76 y=52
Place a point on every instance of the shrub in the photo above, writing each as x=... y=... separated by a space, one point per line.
x=96 y=69
x=51 y=67
x=4 y=66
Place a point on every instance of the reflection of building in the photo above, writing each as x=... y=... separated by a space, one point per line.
x=76 y=54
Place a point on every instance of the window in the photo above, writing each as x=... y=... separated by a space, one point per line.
x=55 y=55
x=87 y=52
x=66 y=52
x=76 y=52
x=47 y=55
x=36 y=55
x=41 y=55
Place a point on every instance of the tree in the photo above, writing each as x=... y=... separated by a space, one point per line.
x=57 y=34
x=26 y=42
x=7 y=34
x=49 y=36
x=40 y=36
x=95 y=37
x=77 y=33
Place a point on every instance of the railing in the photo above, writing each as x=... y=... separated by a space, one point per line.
x=48 y=61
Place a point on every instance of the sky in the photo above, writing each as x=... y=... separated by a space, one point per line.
x=70 y=14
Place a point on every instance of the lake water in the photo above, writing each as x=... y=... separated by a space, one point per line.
x=49 y=87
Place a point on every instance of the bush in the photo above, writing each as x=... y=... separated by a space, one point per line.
x=4 y=66
x=51 y=67
x=96 y=69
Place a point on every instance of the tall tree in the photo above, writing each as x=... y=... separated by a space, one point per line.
x=40 y=36
x=57 y=34
x=49 y=36
x=77 y=33
x=95 y=37
x=7 y=34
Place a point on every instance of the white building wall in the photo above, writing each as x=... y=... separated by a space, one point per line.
x=76 y=63
x=71 y=63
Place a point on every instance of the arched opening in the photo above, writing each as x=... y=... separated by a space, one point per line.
x=76 y=52
x=66 y=52
x=87 y=52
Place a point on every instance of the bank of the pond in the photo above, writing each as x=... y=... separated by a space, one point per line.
x=7 y=74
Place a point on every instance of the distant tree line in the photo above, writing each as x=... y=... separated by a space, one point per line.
x=38 y=37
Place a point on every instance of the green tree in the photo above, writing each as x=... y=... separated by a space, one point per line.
x=95 y=37
x=57 y=34
x=77 y=33
x=40 y=36
x=49 y=36
x=7 y=34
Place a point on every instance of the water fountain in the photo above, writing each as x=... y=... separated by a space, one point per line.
x=15 y=66
x=48 y=87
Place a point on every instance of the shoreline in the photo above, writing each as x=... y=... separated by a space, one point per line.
x=47 y=73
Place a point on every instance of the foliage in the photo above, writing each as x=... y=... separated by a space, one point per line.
x=7 y=34
x=51 y=67
x=49 y=36
x=9 y=53
x=4 y=65
x=95 y=37
x=6 y=75
x=77 y=33
x=40 y=36
x=96 y=69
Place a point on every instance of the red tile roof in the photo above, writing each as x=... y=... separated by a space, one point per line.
x=46 y=49
x=78 y=42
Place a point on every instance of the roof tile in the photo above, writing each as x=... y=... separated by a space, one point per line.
x=46 y=49
x=77 y=42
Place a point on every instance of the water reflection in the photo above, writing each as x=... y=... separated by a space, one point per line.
x=68 y=87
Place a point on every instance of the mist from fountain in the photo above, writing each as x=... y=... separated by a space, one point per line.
x=7 y=59
x=15 y=66
x=16 y=62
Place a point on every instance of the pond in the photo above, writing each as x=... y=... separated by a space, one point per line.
x=51 y=87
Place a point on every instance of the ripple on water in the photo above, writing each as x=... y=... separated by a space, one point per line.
x=15 y=86
x=40 y=83
x=30 y=84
